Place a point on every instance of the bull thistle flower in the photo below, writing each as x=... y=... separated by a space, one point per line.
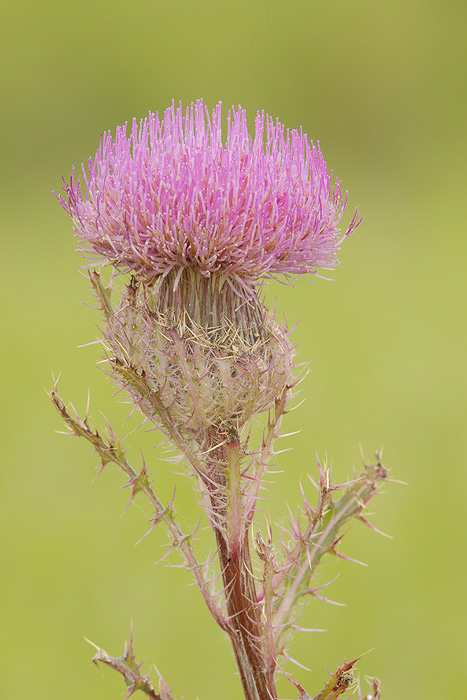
x=200 y=225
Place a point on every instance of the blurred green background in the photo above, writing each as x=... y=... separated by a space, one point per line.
x=382 y=87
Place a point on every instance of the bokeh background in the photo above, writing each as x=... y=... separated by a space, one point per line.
x=382 y=86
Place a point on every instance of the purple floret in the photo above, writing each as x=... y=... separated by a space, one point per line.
x=172 y=195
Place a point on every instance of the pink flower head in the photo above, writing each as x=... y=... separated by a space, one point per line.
x=172 y=195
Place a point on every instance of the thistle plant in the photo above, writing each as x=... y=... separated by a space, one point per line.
x=196 y=225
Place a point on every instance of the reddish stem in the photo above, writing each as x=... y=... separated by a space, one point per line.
x=246 y=627
x=244 y=615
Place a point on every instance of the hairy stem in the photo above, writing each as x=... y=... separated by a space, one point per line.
x=111 y=451
x=316 y=543
x=127 y=666
x=232 y=536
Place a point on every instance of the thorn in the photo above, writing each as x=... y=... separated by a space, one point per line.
x=92 y=644
x=354 y=561
x=375 y=529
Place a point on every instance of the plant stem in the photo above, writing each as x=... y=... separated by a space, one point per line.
x=232 y=536
x=245 y=638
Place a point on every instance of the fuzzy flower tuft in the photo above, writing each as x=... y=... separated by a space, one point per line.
x=172 y=196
